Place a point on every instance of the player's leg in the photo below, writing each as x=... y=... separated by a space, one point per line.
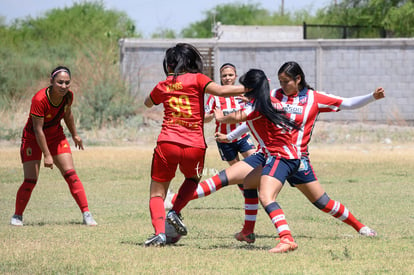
x=306 y=181
x=316 y=194
x=163 y=167
x=191 y=165
x=31 y=156
x=62 y=158
x=273 y=176
x=251 y=206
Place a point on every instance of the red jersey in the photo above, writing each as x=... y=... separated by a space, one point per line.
x=183 y=101
x=273 y=140
x=52 y=115
x=304 y=108
x=228 y=105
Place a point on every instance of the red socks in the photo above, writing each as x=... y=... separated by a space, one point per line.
x=76 y=189
x=278 y=219
x=251 y=206
x=156 y=206
x=337 y=210
x=23 y=195
x=185 y=194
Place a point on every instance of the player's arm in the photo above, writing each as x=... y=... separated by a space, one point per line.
x=235 y=117
x=235 y=134
x=148 y=101
x=70 y=123
x=41 y=140
x=360 y=101
x=226 y=90
x=208 y=117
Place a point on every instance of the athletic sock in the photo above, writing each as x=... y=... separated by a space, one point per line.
x=337 y=210
x=156 y=206
x=279 y=221
x=211 y=185
x=184 y=195
x=23 y=195
x=251 y=206
x=76 y=189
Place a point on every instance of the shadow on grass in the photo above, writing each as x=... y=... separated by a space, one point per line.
x=42 y=223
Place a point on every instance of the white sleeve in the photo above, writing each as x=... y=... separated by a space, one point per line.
x=356 y=102
x=238 y=132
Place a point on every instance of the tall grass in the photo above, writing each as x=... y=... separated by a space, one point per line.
x=374 y=181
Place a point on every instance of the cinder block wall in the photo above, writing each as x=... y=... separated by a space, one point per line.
x=342 y=67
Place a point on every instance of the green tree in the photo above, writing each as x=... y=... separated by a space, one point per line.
x=240 y=14
x=83 y=37
x=396 y=16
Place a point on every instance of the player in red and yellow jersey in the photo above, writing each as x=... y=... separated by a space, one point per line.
x=43 y=134
x=181 y=140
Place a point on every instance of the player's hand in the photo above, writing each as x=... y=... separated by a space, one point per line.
x=48 y=161
x=379 y=93
x=218 y=114
x=220 y=137
x=78 y=142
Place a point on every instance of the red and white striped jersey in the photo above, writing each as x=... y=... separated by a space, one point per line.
x=228 y=105
x=273 y=140
x=304 y=108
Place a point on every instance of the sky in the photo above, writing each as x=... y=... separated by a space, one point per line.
x=151 y=15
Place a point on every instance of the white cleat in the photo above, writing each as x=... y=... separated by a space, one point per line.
x=367 y=232
x=17 y=220
x=88 y=219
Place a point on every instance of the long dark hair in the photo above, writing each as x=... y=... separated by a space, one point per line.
x=182 y=58
x=257 y=81
x=293 y=70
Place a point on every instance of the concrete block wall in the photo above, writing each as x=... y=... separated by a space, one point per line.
x=342 y=67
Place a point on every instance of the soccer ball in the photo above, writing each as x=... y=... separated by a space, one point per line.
x=171 y=234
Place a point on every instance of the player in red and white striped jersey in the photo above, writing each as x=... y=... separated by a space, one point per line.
x=272 y=129
x=303 y=105
x=229 y=150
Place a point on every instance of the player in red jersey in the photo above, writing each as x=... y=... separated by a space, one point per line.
x=303 y=105
x=43 y=134
x=229 y=150
x=181 y=140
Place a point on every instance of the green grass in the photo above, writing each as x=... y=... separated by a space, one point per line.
x=375 y=182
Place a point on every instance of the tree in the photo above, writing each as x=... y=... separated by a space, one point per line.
x=238 y=14
x=396 y=16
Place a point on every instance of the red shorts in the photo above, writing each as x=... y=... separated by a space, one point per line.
x=30 y=150
x=167 y=156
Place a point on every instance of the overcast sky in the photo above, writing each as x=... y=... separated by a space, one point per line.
x=150 y=15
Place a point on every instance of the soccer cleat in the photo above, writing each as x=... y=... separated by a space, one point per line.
x=175 y=220
x=88 y=219
x=156 y=240
x=285 y=245
x=367 y=232
x=249 y=238
x=17 y=220
x=168 y=200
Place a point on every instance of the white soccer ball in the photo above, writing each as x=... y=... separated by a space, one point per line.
x=171 y=234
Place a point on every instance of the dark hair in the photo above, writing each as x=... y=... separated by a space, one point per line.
x=182 y=58
x=58 y=70
x=226 y=65
x=257 y=81
x=293 y=70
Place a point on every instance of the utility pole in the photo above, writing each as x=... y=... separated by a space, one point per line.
x=282 y=8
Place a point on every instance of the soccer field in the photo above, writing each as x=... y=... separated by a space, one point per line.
x=375 y=182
